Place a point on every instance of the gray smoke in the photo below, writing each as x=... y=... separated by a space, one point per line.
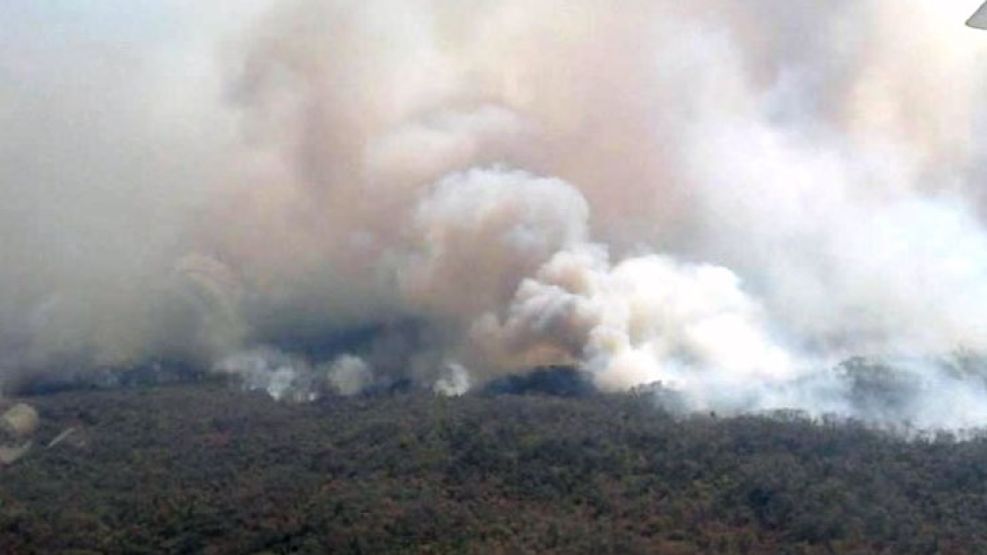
x=726 y=198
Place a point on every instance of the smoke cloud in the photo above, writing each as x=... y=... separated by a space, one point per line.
x=729 y=199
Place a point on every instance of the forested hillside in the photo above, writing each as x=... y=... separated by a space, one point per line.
x=204 y=468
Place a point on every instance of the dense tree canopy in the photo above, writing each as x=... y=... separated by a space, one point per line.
x=204 y=468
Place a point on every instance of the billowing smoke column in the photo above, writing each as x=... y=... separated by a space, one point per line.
x=724 y=198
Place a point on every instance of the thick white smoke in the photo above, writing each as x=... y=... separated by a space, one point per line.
x=648 y=319
x=729 y=198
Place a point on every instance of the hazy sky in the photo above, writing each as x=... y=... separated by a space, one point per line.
x=726 y=196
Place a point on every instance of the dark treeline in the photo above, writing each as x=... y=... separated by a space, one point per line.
x=204 y=468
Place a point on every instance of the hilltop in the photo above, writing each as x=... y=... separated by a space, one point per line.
x=206 y=468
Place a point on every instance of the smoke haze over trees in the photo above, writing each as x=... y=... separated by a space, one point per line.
x=729 y=198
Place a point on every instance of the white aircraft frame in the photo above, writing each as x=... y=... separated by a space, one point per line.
x=979 y=19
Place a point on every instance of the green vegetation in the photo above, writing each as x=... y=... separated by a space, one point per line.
x=192 y=469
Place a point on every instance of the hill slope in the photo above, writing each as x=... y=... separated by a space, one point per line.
x=207 y=469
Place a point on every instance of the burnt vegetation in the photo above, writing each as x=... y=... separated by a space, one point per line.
x=203 y=467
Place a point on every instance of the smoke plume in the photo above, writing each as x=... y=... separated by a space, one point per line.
x=727 y=199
